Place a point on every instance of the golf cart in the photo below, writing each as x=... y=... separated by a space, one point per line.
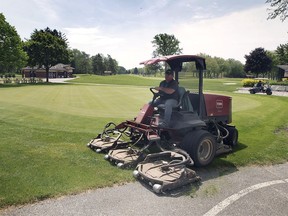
x=261 y=87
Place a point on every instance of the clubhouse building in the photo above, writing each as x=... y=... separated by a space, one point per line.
x=57 y=71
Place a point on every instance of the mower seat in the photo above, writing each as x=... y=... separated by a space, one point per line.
x=184 y=103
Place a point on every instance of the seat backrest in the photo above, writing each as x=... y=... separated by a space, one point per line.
x=184 y=101
x=194 y=100
x=181 y=92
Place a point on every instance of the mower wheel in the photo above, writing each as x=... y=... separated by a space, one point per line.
x=232 y=138
x=201 y=146
x=252 y=91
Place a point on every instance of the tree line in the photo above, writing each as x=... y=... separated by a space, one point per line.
x=97 y=64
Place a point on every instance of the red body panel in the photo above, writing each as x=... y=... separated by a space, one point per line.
x=144 y=114
x=218 y=105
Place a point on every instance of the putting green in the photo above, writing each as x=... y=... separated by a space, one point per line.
x=80 y=100
x=95 y=100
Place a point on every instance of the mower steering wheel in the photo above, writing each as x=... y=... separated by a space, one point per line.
x=153 y=90
x=155 y=94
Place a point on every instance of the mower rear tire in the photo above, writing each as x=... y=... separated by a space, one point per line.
x=201 y=146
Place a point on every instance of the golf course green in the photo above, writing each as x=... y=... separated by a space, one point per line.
x=45 y=129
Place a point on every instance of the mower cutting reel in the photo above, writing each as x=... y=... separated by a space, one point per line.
x=166 y=170
x=124 y=158
x=108 y=139
x=131 y=156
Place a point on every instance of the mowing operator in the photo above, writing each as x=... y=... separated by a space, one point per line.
x=168 y=91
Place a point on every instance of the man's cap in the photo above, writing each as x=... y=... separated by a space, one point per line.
x=169 y=71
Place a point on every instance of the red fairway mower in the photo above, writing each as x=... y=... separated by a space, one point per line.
x=162 y=156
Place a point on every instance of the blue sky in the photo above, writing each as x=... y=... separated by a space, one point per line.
x=125 y=28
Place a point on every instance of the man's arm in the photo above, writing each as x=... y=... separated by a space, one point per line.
x=165 y=90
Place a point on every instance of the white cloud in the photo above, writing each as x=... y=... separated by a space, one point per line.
x=47 y=9
x=233 y=35
x=128 y=48
x=152 y=9
x=92 y=40
x=128 y=38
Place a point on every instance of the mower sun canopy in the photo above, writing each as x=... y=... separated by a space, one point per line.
x=175 y=61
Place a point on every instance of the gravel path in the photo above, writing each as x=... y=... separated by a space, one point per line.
x=244 y=191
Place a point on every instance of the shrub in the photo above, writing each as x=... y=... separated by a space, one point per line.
x=248 y=82
x=282 y=83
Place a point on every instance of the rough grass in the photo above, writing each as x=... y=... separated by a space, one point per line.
x=45 y=128
x=262 y=124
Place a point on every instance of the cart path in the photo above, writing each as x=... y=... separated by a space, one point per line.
x=235 y=191
x=228 y=201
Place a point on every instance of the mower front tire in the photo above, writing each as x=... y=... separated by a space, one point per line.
x=268 y=92
x=201 y=146
x=232 y=138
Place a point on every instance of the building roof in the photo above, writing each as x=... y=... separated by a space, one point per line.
x=283 y=67
x=60 y=66
x=57 y=67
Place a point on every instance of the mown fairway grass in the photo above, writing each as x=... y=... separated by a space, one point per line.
x=45 y=128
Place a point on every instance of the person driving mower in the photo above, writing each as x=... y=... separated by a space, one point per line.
x=168 y=91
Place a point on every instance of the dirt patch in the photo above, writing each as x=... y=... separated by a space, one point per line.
x=281 y=130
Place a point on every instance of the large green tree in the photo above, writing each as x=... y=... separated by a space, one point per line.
x=81 y=61
x=282 y=53
x=12 y=55
x=235 y=68
x=280 y=58
x=212 y=67
x=275 y=61
x=258 y=62
x=223 y=66
x=100 y=63
x=111 y=64
x=98 y=66
x=278 y=8
x=47 y=47
x=166 y=45
x=122 y=70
